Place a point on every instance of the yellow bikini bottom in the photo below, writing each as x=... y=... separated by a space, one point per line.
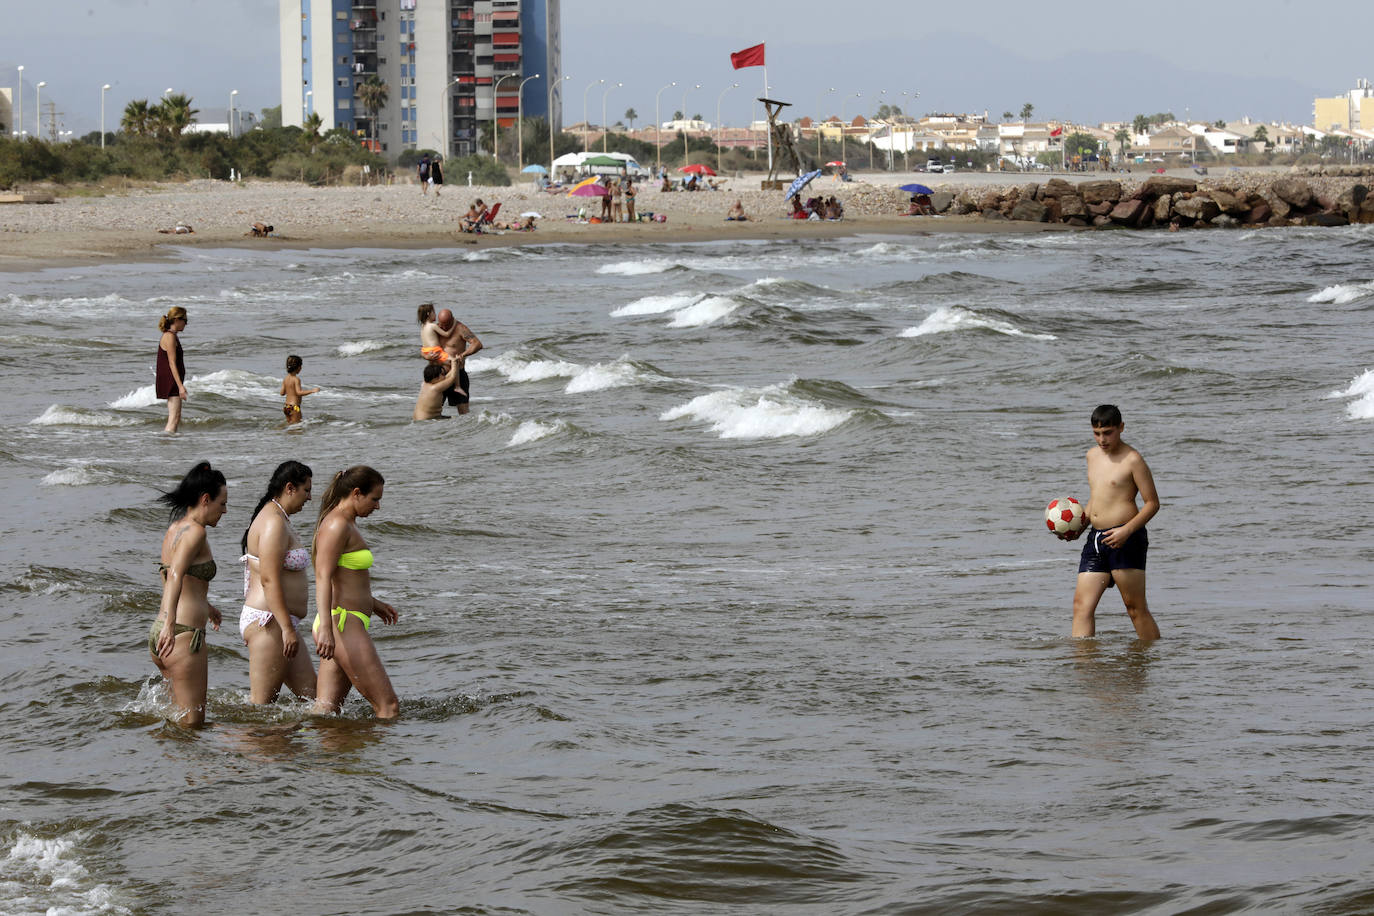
x=340 y=616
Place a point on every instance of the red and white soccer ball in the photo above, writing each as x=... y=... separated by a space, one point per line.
x=1065 y=515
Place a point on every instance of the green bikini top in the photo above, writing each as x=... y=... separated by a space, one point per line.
x=356 y=559
x=204 y=570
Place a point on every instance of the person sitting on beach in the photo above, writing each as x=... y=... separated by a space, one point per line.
x=833 y=209
x=434 y=389
x=179 y=229
x=470 y=220
x=260 y=230
x=667 y=185
x=798 y=211
x=736 y=213
x=691 y=184
x=291 y=389
x=920 y=206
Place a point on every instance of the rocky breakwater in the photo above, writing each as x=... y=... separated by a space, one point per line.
x=1162 y=201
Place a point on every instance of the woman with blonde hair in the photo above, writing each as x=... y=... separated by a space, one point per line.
x=275 y=589
x=171 y=368
x=343 y=597
x=176 y=640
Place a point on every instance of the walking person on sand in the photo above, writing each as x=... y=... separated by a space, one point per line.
x=275 y=586
x=422 y=171
x=176 y=640
x=436 y=175
x=343 y=597
x=170 y=383
x=1117 y=541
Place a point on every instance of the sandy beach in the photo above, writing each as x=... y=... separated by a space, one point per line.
x=123 y=224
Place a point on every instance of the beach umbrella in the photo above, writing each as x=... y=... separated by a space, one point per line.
x=798 y=183
x=534 y=167
x=915 y=189
x=833 y=163
x=603 y=160
x=591 y=187
x=697 y=169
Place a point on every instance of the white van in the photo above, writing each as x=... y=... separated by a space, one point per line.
x=934 y=165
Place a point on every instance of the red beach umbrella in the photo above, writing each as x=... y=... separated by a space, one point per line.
x=697 y=169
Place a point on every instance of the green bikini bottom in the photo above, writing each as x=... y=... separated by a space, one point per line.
x=197 y=636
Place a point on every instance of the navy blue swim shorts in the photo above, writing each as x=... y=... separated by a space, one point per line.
x=1098 y=557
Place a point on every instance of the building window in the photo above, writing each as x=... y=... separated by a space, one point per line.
x=341 y=15
x=343 y=104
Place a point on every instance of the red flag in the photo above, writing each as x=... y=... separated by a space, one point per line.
x=749 y=57
x=1056 y=132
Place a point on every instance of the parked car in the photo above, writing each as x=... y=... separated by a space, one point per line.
x=934 y=165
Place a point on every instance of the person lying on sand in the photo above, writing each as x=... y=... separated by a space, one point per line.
x=178 y=229
x=260 y=230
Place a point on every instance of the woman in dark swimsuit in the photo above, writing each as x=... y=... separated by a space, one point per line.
x=171 y=369
x=177 y=638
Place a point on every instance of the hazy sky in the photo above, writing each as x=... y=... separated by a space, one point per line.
x=1104 y=61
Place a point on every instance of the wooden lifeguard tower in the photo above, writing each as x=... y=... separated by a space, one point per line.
x=779 y=136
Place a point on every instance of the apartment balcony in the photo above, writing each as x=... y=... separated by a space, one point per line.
x=366 y=5
x=364 y=45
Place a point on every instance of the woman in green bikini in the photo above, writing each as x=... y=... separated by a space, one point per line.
x=187 y=567
x=343 y=597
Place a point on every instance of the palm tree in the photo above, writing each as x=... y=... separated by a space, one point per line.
x=1007 y=116
x=1140 y=124
x=630 y=115
x=137 y=118
x=173 y=115
x=1261 y=135
x=312 y=125
x=1123 y=140
x=1026 y=111
x=373 y=93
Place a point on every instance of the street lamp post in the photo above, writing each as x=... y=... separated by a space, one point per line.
x=448 y=118
x=20 y=122
x=103 y=89
x=38 y=106
x=605 y=128
x=818 y=123
x=685 y=154
x=551 y=84
x=232 y=93
x=658 y=128
x=718 y=100
x=881 y=93
x=906 y=138
x=585 y=132
x=842 y=104
x=520 y=122
x=495 y=117
x=166 y=92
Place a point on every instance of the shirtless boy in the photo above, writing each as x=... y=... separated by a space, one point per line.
x=1117 y=541
x=438 y=381
x=291 y=389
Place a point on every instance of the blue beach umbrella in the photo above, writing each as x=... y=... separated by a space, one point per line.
x=800 y=182
x=534 y=167
x=916 y=189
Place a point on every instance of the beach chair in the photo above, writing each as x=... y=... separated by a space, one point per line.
x=487 y=217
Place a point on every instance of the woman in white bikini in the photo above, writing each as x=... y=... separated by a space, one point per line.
x=275 y=589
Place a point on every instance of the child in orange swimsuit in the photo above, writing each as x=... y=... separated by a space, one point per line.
x=291 y=388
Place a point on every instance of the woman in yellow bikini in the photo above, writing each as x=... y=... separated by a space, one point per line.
x=275 y=589
x=177 y=638
x=343 y=597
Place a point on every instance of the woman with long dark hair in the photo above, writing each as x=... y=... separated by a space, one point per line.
x=177 y=638
x=343 y=597
x=275 y=589
x=170 y=382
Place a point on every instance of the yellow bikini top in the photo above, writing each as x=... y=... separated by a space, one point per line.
x=356 y=559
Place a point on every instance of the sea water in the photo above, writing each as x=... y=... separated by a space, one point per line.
x=731 y=595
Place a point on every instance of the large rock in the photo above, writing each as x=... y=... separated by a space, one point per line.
x=992 y=200
x=1072 y=206
x=993 y=214
x=1259 y=213
x=1366 y=214
x=1163 y=209
x=1293 y=191
x=1225 y=222
x=1029 y=191
x=1328 y=219
x=1277 y=204
x=1096 y=192
x=1030 y=210
x=1229 y=203
x=1158 y=185
x=1057 y=187
x=1100 y=207
x=1102 y=221
x=1128 y=212
x=941 y=201
x=1199 y=207
x=1349 y=200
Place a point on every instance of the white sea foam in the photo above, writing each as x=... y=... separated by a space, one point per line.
x=707 y=311
x=620 y=374
x=71 y=307
x=518 y=368
x=1343 y=293
x=356 y=347
x=139 y=397
x=76 y=476
x=532 y=430
x=760 y=413
x=954 y=318
x=1361 y=390
x=657 y=305
x=57 y=415
x=238 y=384
x=638 y=268
x=45 y=876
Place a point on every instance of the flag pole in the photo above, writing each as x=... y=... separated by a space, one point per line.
x=770 y=123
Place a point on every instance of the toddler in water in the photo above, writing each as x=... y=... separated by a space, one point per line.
x=291 y=388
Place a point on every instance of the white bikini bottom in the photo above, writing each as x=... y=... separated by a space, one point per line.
x=251 y=616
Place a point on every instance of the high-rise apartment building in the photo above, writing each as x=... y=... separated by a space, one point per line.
x=1352 y=110
x=449 y=67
